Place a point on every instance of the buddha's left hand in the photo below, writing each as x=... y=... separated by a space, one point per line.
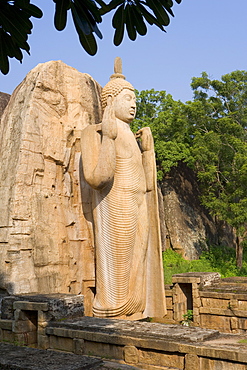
x=147 y=142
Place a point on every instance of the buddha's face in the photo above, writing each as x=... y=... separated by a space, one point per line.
x=124 y=105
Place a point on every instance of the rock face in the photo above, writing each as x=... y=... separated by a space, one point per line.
x=45 y=241
x=188 y=226
x=4 y=99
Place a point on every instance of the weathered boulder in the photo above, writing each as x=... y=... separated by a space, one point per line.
x=189 y=227
x=45 y=241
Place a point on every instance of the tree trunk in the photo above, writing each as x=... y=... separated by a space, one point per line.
x=239 y=252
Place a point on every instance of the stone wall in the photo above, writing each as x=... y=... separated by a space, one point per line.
x=219 y=304
x=46 y=243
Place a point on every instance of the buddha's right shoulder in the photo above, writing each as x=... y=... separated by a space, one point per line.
x=92 y=128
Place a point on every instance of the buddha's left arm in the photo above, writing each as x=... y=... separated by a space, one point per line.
x=148 y=156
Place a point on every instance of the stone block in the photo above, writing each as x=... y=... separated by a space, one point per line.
x=20 y=315
x=215 y=303
x=6 y=324
x=7 y=308
x=192 y=362
x=215 y=364
x=169 y=303
x=43 y=341
x=23 y=326
x=31 y=306
x=218 y=311
x=155 y=358
x=242 y=323
x=131 y=355
x=61 y=343
x=197 y=302
x=25 y=338
x=221 y=323
x=196 y=311
x=104 y=350
x=242 y=305
x=234 y=323
x=169 y=315
x=233 y=304
x=41 y=330
x=43 y=316
x=8 y=336
x=79 y=346
x=42 y=325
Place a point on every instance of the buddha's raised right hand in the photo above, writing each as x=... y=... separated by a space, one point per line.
x=109 y=124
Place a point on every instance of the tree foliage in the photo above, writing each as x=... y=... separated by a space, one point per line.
x=167 y=120
x=131 y=16
x=209 y=134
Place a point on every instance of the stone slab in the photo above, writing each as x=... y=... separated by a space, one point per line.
x=137 y=329
x=6 y=324
x=30 y=306
x=221 y=294
x=58 y=306
x=24 y=358
x=204 y=278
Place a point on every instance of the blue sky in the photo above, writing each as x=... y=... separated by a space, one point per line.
x=205 y=35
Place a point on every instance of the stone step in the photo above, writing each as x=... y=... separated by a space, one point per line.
x=25 y=358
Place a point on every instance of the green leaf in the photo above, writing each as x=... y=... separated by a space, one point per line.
x=34 y=11
x=80 y=21
x=139 y=22
x=168 y=5
x=88 y=43
x=31 y=9
x=118 y=24
x=60 y=18
x=159 y=12
x=4 y=63
x=94 y=10
x=83 y=16
x=130 y=25
x=149 y=17
x=12 y=49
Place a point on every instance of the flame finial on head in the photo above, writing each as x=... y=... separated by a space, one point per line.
x=116 y=84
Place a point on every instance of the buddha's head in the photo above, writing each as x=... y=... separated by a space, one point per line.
x=121 y=94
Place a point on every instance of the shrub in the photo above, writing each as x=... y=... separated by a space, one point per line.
x=217 y=259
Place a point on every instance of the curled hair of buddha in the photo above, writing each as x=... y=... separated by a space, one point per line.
x=113 y=88
x=116 y=84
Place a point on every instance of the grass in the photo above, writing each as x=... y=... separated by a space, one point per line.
x=217 y=259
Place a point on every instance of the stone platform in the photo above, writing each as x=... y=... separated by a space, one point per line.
x=43 y=322
x=150 y=346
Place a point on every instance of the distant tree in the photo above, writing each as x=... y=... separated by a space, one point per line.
x=209 y=134
x=219 y=118
x=15 y=23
